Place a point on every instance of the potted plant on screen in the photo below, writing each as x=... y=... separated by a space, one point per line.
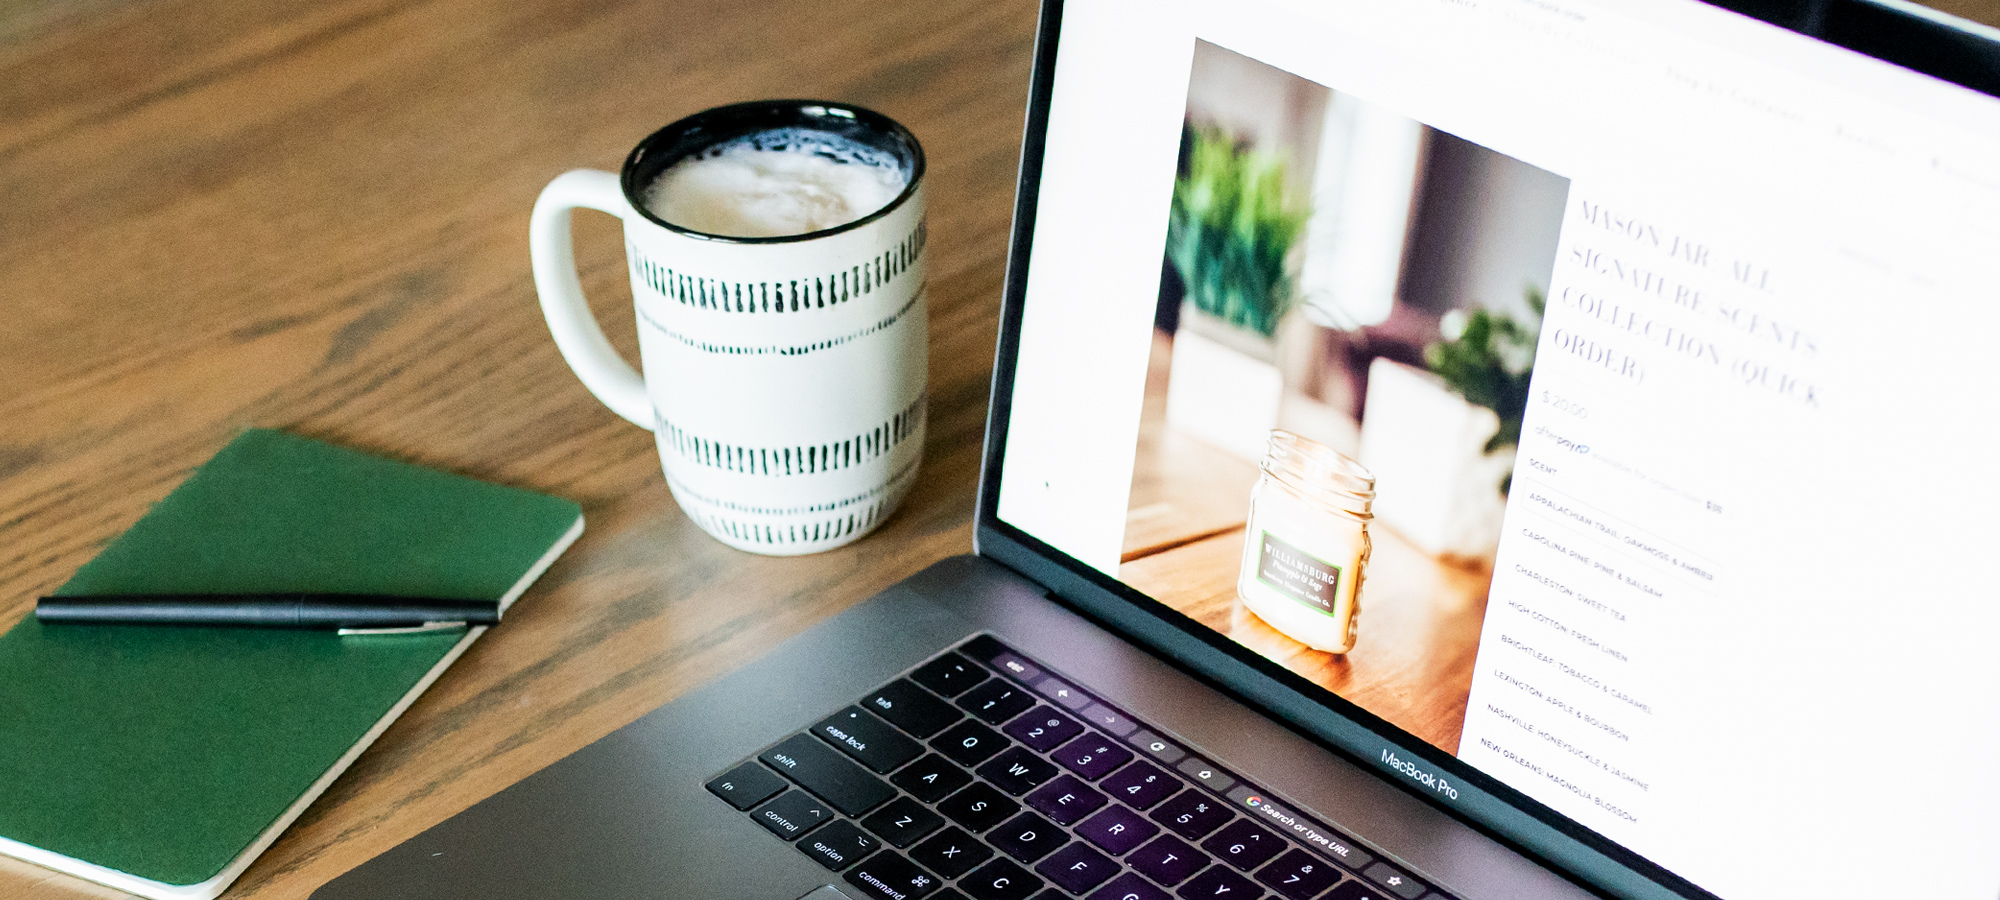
x=1230 y=234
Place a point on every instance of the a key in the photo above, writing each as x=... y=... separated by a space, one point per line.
x=1129 y=886
x=1116 y=830
x=1077 y=867
x=951 y=852
x=838 y=845
x=1243 y=845
x=1017 y=771
x=1298 y=875
x=746 y=785
x=1092 y=756
x=1219 y=883
x=825 y=771
x=1398 y=883
x=1043 y=729
x=887 y=876
x=1000 y=880
x=996 y=701
x=1192 y=813
x=968 y=743
x=1167 y=860
x=978 y=807
x=868 y=739
x=1027 y=837
x=931 y=779
x=1141 y=785
x=912 y=708
x=1065 y=800
x=950 y=675
x=794 y=813
x=902 y=821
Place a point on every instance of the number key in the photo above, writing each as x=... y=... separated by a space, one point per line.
x=1044 y=729
x=1244 y=845
x=1092 y=756
x=1299 y=875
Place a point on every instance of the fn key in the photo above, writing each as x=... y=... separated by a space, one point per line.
x=746 y=785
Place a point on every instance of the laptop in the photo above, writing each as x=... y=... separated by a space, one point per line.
x=1439 y=450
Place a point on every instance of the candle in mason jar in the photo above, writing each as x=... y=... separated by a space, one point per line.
x=1305 y=551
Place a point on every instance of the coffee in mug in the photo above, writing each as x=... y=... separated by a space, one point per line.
x=776 y=253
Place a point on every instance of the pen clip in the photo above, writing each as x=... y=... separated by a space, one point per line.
x=425 y=628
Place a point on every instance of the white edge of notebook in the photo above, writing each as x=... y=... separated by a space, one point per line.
x=207 y=890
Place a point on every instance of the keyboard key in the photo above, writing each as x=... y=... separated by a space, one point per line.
x=1027 y=837
x=902 y=822
x=912 y=708
x=951 y=853
x=1299 y=875
x=1316 y=835
x=1218 y=883
x=1022 y=670
x=1000 y=880
x=1065 y=696
x=838 y=845
x=931 y=779
x=1155 y=746
x=1077 y=867
x=1167 y=860
x=1141 y=785
x=1192 y=814
x=1044 y=729
x=793 y=814
x=968 y=743
x=1065 y=800
x=886 y=876
x=950 y=675
x=1017 y=771
x=1116 y=830
x=868 y=739
x=1398 y=883
x=1108 y=719
x=1091 y=756
x=978 y=807
x=1244 y=845
x=996 y=701
x=826 y=772
x=1205 y=774
x=746 y=785
x=1050 y=894
x=1129 y=887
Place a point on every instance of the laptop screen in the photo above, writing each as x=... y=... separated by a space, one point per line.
x=1592 y=394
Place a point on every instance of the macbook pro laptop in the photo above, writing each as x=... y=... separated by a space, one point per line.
x=1456 y=449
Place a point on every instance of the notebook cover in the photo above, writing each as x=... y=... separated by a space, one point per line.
x=168 y=752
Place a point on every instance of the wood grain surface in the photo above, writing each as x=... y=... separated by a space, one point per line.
x=314 y=216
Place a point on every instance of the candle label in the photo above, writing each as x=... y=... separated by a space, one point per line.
x=1297 y=574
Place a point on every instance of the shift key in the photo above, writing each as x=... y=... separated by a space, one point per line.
x=822 y=770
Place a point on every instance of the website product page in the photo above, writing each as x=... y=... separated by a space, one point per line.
x=1627 y=358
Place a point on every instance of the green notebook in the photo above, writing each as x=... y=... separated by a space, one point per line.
x=162 y=760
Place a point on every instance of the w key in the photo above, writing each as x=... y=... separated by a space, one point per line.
x=868 y=739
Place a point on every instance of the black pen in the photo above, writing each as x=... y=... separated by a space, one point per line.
x=349 y=613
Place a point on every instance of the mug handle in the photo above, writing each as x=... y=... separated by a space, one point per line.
x=576 y=331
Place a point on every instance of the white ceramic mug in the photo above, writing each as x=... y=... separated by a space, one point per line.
x=784 y=376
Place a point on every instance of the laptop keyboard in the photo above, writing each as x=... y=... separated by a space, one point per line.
x=981 y=775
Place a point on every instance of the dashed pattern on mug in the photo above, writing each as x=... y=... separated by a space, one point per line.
x=795 y=295
x=803 y=459
x=784 y=534
x=684 y=493
x=783 y=349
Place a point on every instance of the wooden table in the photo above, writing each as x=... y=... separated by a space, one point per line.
x=314 y=216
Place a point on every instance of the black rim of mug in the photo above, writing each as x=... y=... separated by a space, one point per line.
x=709 y=127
